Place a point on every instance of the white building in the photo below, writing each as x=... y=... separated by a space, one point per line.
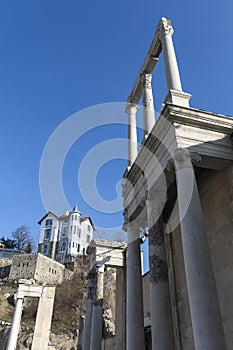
x=64 y=237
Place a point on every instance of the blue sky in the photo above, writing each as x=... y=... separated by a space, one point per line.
x=58 y=57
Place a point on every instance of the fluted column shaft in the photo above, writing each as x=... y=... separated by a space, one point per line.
x=202 y=294
x=134 y=297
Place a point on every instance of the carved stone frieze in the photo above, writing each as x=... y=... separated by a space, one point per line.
x=156 y=237
x=158 y=270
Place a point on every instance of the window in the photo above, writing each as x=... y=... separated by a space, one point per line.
x=47 y=233
x=79 y=233
x=45 y=248
x=73 y=244
x=88 y=238
x=74 y=230
x=65 y=222
x=75 y=217
x=63 y=247
x=65 y=231
x=88 y=228
x=48 y=222
x=83 y=251
x=78 y=248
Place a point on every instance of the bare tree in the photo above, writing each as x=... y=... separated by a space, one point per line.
x=23 y=239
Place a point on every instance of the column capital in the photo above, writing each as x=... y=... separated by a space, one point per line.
x=131 y=108
x=133 y=231
x=146 y=80
x=184 y=159
x=165 y=28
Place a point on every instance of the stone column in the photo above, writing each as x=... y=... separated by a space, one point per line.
x=97 y=316
x=43 y=319
x=80 y=333
x=203 y=300
x=120 y=308
x=134 y=298
x=89 y=310
x=148 y=104
x=131 y=110
x=170 y=63
x=160 y=302
x=12 y=340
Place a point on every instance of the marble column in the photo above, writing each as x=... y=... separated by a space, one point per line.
x=170 y=63
x=80 y=332
x=43 y=319
x=134 y=297
x=12 y=340
x=89 y=310
x=97 y=315
x=203 y=300
x=160 y=302
x=148 y=104
x=131 y=110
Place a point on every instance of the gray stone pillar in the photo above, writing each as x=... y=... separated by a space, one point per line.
x=120 y=308
x=131 y=110
x=12 y=340
x=43 y=319
x=88 y=315
x=134 y=298
x=148 y=104
x=97 y=315
x=160 y=304
x=80 y=333
x=170 y=63
x=203 y=300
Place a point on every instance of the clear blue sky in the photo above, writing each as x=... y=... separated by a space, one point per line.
x=58 y=57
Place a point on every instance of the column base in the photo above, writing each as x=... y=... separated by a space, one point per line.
x=179 y=98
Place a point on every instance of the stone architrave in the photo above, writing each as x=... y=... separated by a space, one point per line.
x=203 y=300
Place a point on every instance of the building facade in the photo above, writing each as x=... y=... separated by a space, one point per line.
x=64 y=237
x=178 y=188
